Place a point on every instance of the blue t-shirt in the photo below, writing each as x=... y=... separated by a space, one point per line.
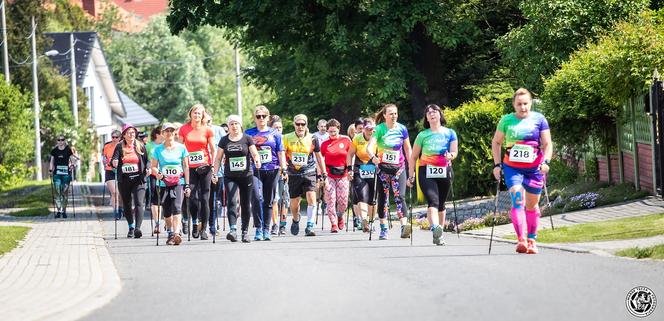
x=268 y=143
x=219 y=132
x=170 y=161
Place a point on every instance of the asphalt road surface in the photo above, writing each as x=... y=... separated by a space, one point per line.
x=346 y=277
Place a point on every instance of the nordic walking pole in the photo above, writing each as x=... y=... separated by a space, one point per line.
x=348 y=210
x=149 y=201
x=214 y=213
x=156 y=187
x=495 y=211
x=548 y=205
x=186 y=208
x=372 y=215
x=116 y=209
x=73 y=199
x=456 y=221
x=55 y=210
x=410 y=210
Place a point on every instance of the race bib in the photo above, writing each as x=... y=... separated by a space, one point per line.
x=196 y=158
x=436 y=171
x=130 y=168
x=237 y=164
x=300 y=159
x=265 y=156
x=391 y=157
x=62 y=170
x=520 y=153
x=367 y=171
x=172 y=170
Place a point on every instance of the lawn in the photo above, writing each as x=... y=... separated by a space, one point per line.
x=10 y=236
x=655 y=252
x=30 y=194
x=627 y=228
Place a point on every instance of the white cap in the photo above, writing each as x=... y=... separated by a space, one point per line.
x=234 y=118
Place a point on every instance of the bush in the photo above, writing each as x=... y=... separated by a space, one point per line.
x=17 y=145
x=475 y=123
x=561 y=173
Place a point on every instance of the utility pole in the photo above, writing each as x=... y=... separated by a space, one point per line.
x=238 y=78
x=74 y=98
x=5 y=55
x=35 y=89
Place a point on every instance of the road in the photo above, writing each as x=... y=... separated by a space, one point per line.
x=346 y=277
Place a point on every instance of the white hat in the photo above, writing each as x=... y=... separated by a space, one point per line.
x=234 y=118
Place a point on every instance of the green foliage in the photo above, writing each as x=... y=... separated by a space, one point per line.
x=583 y=98
x=620 y=229
x=345 y=58
x=582 y=195
x=26 y=194
x=17 y=134
x=655 y=252
x=475 y=123
x=67 y=17
x=561 y=173
x=10 y=236
x=591 y=169
x=167 y=74
x=556 y=28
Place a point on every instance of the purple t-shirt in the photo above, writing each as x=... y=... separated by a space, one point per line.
x=268 y=144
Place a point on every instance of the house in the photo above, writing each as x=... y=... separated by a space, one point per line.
x=135 y=14
x=109 y=108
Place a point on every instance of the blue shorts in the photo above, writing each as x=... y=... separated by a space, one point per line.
x=531 y=179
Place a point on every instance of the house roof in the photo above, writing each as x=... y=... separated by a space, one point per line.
x=136 y=115
x=83 y=48
x=143 y=9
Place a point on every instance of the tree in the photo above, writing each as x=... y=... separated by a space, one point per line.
x=554 y=29
x=345 y=58
x=17 y=145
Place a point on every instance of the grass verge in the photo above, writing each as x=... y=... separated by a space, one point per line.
x=30 y=195
x=654 y=252
x=10 y=236
x=621 y=229
x=31 y=212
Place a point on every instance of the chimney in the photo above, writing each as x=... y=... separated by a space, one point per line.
x=89 y=7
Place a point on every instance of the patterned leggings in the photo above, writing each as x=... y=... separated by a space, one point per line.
x=336 y=192
x=398 y=184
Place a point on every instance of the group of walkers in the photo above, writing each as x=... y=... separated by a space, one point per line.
x=261 y=173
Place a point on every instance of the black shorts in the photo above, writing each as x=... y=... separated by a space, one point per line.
x=109 y=176
x=299 y=185
x=363 y=189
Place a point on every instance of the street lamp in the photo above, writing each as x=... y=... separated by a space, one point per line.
x=35 y=88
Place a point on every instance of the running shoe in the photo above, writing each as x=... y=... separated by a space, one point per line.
x=203 y=234
x=170 y=240
x=334 y=229
x=437 y=234
x=532 y=247
x=365 y=225
x=266 y=235
x=406 y=230
x=58 y=215
x=282 y=230
x=185 y=227
x=521 y=246
x=130 y=234
x=309 y=231
x=383 y=235
x=64 y=214
x=177 y=238
x=245 y=237
x=232 y=236
x=194 y=231
x=357 y=222
x=259 y=235
x=273 y=231
x=137 y=233
x=342 y=224
x=295 y=227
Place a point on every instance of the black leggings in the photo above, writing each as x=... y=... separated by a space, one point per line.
x=133 y=189
x=398 y=187
x=268 y=181
x=171 y=200
x=215 y=195
x=363 y=189
x=244 y=185
x=435 y=190
x=199 y=201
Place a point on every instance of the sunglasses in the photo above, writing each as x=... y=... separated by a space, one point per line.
x=61 y=139
x=260 y=116
x=300 y=124
x=114 y=137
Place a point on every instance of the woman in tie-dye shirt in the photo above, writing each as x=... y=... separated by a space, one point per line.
x=435 y=147
x=390 y=140
x=526 y=162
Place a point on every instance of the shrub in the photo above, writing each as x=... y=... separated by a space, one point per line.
x=473 y=223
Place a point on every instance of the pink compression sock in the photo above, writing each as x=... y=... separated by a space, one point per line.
x=532 y=220
x=517 y=217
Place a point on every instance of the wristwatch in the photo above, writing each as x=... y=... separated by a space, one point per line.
x=546 y=161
